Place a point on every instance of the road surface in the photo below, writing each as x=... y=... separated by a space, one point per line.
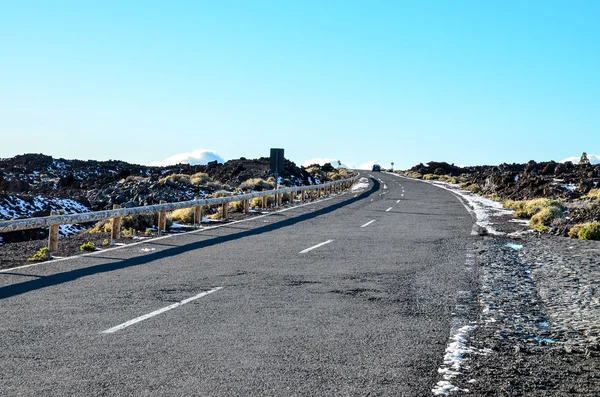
x=350 y=296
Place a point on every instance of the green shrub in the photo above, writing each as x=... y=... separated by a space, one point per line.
x=129 y=232
x=589 y=231
x=430 y=177
x=104 y=226
x=89 y=246
x=105 y=242
x=574 y=230
x=545 y=217
x=527 y=209
x=42 y=255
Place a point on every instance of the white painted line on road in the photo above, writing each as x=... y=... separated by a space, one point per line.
x=397 y=201
x=402 y=195
x=315 y=246
x=389 y=209
x=159 y=311
x=368 y=223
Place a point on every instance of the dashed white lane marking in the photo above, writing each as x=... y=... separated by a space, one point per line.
x=397 y=201
x=402 y=195
x=389 y=209
x=368 y=223
x=315 y=246
x=159 y=311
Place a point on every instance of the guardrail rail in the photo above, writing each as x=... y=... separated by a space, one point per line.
x=55 y=220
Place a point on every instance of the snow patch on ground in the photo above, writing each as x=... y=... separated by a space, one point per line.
x=453 y=357
x=14 y=207
x=483 y=208
x=514 y=246
x=363 y=183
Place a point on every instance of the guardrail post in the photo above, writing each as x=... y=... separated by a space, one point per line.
x=162 y=219
x=53 y=236
x=264 y=202
x=279 y=199
x=246 y=205
x=313 y=194
x=197 y=216
x=115 y=232
x=225 y=210
x=292 y=197
x=303 y=195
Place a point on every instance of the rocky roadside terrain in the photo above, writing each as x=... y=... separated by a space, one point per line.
x=537 y=333
x=567 y=182
x=33 y=185
x=534 y=326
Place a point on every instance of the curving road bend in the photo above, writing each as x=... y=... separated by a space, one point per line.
x=355 y=295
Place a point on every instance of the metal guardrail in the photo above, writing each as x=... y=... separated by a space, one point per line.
x=47 y=221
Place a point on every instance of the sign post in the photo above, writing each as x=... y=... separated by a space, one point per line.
x=277 y=165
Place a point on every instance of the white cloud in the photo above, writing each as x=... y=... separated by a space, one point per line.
x=197 y=157
x=322 y=161
x=367 y=166
x=594 y=159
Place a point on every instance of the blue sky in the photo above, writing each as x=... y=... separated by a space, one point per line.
x=467 y=82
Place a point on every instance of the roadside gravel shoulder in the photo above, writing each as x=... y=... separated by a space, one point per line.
x=537 y=334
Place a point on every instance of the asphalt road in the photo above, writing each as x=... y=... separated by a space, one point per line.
x=367 y=311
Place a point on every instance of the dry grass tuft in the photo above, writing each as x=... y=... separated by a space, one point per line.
x=200 y=179
x=586 y=231
x=256 y=184
x=183 y=215
x=180 y=179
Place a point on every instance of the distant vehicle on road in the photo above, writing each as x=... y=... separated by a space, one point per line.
x=376 y=167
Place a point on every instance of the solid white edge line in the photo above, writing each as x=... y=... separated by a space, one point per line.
x=159 y=311
x=368 y=223
x=389 y=209
x=169 y=236
x=315 y=246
